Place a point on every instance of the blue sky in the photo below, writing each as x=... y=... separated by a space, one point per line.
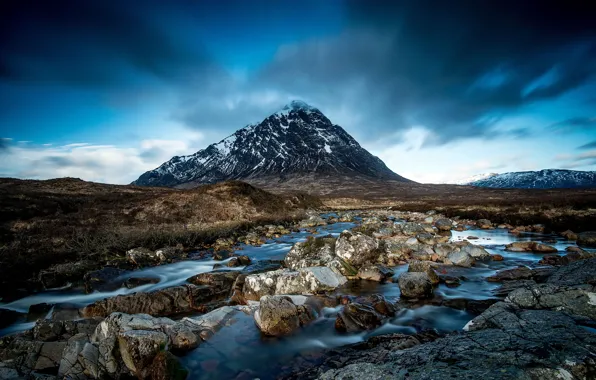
x=105 y=91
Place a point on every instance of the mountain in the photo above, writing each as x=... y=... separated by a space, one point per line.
x=543 y=179
x=470 y=179
x=296 y=141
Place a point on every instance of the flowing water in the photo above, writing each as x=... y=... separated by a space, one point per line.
x=240 y=348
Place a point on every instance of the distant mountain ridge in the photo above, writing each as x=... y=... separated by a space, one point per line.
x=295 y=141
x=542 y=179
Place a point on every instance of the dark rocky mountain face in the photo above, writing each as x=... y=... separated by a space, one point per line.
x=295 y=141
x=543 y=179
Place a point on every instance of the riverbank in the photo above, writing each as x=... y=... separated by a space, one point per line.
x=418 y=275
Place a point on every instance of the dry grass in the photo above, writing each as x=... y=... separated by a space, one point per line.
x=48 y=222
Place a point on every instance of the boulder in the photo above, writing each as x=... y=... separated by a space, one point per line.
x=569 y=235
x=415 y=285
x=168 y=254
x=315 y=252
x=279 y=316
x=222 y=280
x=530 y=246
x=444 y=224
x=476 y=252
x=375 y=272
x=61 y=274
x=519 y=273
x=133 y=282
x=312 y=280
x=461 y=259
x=357 y=249
x=239 y=261
x=484 y=224
x=138 y=348
x=103 y=280
x=412 y=229
x=365 y=313
x=587 y=239
x=444 y=249
x=426 y=238
x=166 y=366
x=208 y=324
x=425 y=267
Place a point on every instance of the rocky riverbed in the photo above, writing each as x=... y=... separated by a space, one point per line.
x=362 y=294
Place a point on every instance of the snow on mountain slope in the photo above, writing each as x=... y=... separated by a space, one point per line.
x=467 y=180
x=543 y=179
x=298 y=139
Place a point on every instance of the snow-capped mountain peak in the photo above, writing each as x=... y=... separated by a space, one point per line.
x=542 y=179
x=299 y=139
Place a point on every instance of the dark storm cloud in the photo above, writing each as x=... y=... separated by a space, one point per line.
x=455 y=67
x=91 y=43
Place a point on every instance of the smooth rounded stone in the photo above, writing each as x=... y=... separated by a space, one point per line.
x=477 y=252
x=587 y=239
x=279 y=316
x=357 y=248
x=103 y=280
x=412 y=241
x=472 y=237
x=461 y=259
x=497 y=257
x=415 y=285
x=133 y=282
x=444 y=224
x=426 y=238
x=142 y=256
x=429 y=219
x=425 y=267
x=484 y=224
x=569 y=235
x=530 y=246
x=239 y=261
x=208 y=324
x=375 y=272
x=364 y=314
x=138 y=348
x=450 y=281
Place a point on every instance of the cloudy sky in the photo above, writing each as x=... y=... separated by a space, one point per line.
x=440 y=90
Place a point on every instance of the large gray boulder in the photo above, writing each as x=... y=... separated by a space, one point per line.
x=415 y=285
x=424 y=267
x=375 y=272
x=279 y=316
x=138 y=348
x=476 y=252
x=311 y=253
x=312 y=280
x=357 y=249
x=460 y=259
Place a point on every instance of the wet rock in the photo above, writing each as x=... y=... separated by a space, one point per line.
x=103 y=280
x=60 y=274
x=312 y=280
x=530 y=246
x=366 y=313
x=484 y=224
x=166 y=366
x=221 y=280
x=476 y=252
x=497 y=257
x=8 y=317
x=49 y=356
x=425 y=267
x=509 y=286
x=279 y=316
x=239 y=261
x=577 y=273
x=472 y=238
x=569 y=235
x=587 y=239
x=208 y=324
x=169 y=301
x=444 y=224
x=444 y=249
x=312 y=221
x=573 y=300
x=138 y=348
x=39 y=310
x=450 y=281
x=415 y=285
x=461 y=259
x=357 y=249
x=65 y=312
x=519 y=273
x=375 y=272
x=134 y=282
